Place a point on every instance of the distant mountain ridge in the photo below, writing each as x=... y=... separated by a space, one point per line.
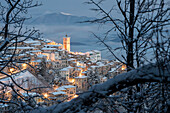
x=60 y=19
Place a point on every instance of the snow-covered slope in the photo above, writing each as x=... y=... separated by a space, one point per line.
x=59 y=19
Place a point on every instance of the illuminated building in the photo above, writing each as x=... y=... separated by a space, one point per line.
x=24 y=79
x=123 y=67
x=24 y=66
x=46 y=95
x=69 y=89
x=94 y=55
x=81 y=82
x=49 y=52
x=66 y=43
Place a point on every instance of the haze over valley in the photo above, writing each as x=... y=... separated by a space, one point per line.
x=55 y=25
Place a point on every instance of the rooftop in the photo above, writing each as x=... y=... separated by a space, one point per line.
x=21 y=48
x=81 y=77
x=48 y=48
x=58 y=93
x=31 y=42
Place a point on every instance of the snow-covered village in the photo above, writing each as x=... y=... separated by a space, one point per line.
x=84 y=56
x=62 y=73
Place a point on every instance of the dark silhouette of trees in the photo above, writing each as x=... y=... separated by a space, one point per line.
x=13 y=14
x=143 y=31
x=136 y=23
x=142 y=27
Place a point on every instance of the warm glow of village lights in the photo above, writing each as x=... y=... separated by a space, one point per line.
x=52 y=43
x=24 y=66
x=80 y=75
x=71 y=80
x=11 y=70
x=77 y=53
x=73 y=68
x=123 y=67
x=55 y=87
x=78 y=63
x=75 y=96
x=46 y=95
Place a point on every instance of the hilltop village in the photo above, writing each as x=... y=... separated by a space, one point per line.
x=54 y=72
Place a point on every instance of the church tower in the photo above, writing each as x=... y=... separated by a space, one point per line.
x=66 y=43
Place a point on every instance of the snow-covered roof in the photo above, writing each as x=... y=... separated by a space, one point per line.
x=52 y=45
x=22 y=54
x=48 y=48
x=83 y=67
x=58 y=93
x=29 y=94
x=31 y=42
x=112 y=70
x=69 y=67
x=64 y=69
x=89 y=52
x=61 y=88
x=104 y=78
x=84 y=72
x=9 y=55
x=100 y=64
x=89 y=69
x=36 y=60
x=41 y=55
x=21 y=48
x=18 y=75
x=78 y=69
x=25 y=59
x=68 y=86
x=31 y=54
x=35 y=51
x=71 y=59
x=47 y=41
x=93 y=52
x=93 y=66
x=81 y=77
x=111 y=63
x=3 y=105
x=70 y=55
x=48 y=60
x=36 y=44
x=61 y=50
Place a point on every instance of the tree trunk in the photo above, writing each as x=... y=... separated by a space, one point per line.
x=131 y=32
x=130 y=47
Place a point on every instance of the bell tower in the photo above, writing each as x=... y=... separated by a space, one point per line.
x=66 y=43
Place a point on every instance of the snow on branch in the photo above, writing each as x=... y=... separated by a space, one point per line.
x=148 y=73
